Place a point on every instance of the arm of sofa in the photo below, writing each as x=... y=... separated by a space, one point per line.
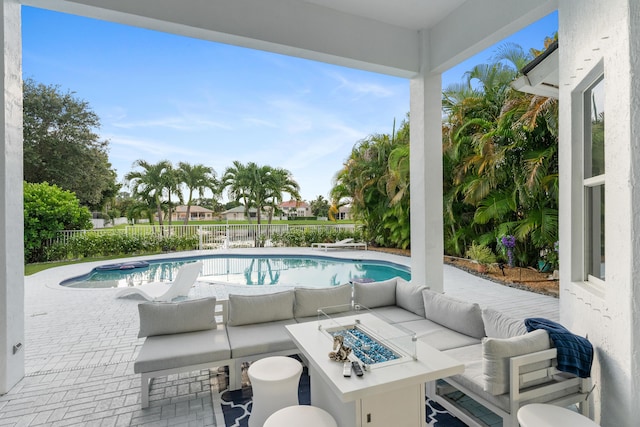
x=547 y=383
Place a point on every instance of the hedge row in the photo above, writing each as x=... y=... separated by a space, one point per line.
x=305 y=237
x=108 y=244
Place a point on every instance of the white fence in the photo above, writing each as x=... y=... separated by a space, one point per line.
x=209 y=236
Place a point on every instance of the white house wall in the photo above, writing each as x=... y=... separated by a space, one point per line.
x=594 y=37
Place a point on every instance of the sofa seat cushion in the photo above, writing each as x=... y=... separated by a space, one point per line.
x=395 y=314
x=260 y=338
x=438 y=336
x=186 y=349
x=472 y=378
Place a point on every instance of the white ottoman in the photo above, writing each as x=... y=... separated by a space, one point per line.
x=303 y=415
x=274 y=381
x=543 y=415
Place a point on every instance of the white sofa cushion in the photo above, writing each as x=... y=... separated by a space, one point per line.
x=164 y=318
x=440 y=337
x=409 y=296
x=375 y=294
x=261 y=338
x=498 y=325
x=497 y=351
x=309 y=300
x=184 y=349
x=249 y=309
x=395 y=314
x=461 y=316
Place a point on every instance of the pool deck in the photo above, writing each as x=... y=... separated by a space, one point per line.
x=80 y=345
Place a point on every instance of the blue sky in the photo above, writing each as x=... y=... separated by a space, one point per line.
x=161 y=96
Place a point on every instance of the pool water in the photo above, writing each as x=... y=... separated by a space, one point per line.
x=309 y=271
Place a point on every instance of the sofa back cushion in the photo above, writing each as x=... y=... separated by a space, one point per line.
x=309 y=300
x=409 y=296
x=499 y=325
x=497 y=351
x=249 y=309
x=166 y=318
x=375 y=294
x=461 y=316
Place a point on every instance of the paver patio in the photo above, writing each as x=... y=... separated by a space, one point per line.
x=80 y=346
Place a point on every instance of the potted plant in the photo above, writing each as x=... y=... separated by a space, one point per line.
x=482 y=255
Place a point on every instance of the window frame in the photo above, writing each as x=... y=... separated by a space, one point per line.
x=591 y=182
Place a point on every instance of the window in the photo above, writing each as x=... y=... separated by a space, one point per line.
x=594 y=181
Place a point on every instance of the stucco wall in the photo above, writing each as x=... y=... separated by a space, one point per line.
x=593 y=38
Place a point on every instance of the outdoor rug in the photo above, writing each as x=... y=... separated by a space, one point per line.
x=236 y=406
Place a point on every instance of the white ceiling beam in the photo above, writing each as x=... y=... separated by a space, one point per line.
x=288 y=27
x=479 y=24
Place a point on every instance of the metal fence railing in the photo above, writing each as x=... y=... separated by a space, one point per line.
x=210 y=236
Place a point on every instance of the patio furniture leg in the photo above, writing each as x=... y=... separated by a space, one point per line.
x=144 y=390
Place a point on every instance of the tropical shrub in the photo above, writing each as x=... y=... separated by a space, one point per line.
x=47 y=210
x=481 y=254
x=298 y=237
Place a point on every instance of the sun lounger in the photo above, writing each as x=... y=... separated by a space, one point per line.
x=342 y=244
x=185 y=278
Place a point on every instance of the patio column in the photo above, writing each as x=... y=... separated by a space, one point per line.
x=11 y=212
x=426 y=174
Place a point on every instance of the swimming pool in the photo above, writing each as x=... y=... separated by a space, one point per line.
x=252 y=270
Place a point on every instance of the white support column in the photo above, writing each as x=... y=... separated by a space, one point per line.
x=11 y=212
x=427 y=245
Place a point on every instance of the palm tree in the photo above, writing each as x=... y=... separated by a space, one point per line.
x=237 y=181
x=280 y=181
x=172 y=184
x=150 y=184
x=500 y=159
x=197 y=178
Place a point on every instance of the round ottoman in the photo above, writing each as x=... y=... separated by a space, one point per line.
x=544 y=415
x=274 y=381
x=307 y=416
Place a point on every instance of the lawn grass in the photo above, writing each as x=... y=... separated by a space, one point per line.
x=30 y=269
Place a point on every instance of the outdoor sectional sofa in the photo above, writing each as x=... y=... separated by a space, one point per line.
x=505 y=367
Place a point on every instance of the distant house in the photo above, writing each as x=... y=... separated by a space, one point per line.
x=238 y=214
x=196 y=213
x=344 y=212
x=295 y=208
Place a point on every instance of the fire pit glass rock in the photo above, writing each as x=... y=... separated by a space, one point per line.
x=366 y=348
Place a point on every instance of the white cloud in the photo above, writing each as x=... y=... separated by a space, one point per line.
x=361 y=87
x=181 y=123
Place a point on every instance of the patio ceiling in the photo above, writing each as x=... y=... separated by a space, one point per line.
x=374 y=35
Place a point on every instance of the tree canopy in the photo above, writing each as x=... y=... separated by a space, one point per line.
x=61 y=145
x=47 y=210
x=500 y=157
x=258 y=187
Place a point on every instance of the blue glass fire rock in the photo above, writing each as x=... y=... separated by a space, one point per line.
x=365 y=348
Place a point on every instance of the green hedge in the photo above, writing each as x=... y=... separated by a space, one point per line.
x=106 y=244
x=300 y=237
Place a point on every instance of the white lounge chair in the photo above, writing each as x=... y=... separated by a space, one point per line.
x=344 y=244
x=185 y=278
